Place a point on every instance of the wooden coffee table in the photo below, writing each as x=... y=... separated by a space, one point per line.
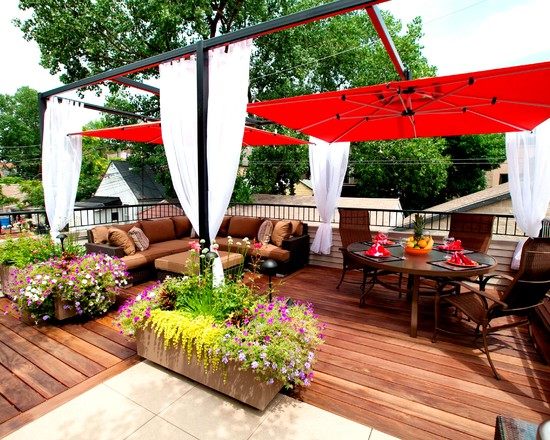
x=177 y=263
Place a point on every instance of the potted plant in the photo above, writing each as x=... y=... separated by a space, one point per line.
x=228 y=337
x=68 y=286
x=17 y=253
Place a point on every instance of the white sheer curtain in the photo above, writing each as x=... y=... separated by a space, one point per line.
x=178 y=113
x=328 y=164
x=528 y=155
x=227 y=99
x=61 y=160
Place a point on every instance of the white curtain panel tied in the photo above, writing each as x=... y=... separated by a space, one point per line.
x=328 y=164
x=227 y=99
x=61 y=160
x=528 y=155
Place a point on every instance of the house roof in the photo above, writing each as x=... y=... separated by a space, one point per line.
x=343 y=202
x=141 y=182
x=475 y=200
x=99 y=202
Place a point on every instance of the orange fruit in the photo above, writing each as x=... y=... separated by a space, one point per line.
x=422 y=243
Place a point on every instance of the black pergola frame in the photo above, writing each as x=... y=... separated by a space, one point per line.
x=201 y=50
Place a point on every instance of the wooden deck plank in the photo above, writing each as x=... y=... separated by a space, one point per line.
x=41 y=358
x=83 y=347
x=111 y=334
x=17 y=392
x=66 y=355
x=40 y=381
x=98 y=340
x=7 y=410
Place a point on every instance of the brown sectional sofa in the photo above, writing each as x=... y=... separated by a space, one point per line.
x=173 y=234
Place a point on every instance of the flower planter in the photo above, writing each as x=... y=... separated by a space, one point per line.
x=239 y=384
x=6 y=278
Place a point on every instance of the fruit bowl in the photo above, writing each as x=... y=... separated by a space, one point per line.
x=417 y=251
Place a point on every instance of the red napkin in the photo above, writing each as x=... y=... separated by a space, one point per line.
x=455 y=245
x=462 y=260
x=377 y=250
x=382 y=239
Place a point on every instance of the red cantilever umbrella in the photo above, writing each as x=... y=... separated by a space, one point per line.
x=150 y=133
x=492 y=101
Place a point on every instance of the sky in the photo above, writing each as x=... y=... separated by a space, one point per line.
x=460 y=36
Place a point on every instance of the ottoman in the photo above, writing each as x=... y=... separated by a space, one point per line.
x=177 y=263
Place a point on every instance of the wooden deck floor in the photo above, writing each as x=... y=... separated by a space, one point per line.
x=369 y=369
x=42 y=367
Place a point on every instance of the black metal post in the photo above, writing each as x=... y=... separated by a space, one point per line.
x=202 y=151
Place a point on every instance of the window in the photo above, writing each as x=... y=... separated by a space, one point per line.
x=503 y=178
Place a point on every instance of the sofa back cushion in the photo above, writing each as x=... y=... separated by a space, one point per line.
x=224 y=227
x=159 y=230
x=127 y=227
x=281 y=231
x=182 y=226
x=244 y=226
x=118 y=237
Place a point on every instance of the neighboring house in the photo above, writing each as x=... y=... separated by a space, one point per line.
x=166 y=209
x=6 y=168
x=98 y=210
x=13 y=191
x=494 y=200
x=131 y=185
x=304 y=188
x=497 y=176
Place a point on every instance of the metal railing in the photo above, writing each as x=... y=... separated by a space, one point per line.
x=391 y=219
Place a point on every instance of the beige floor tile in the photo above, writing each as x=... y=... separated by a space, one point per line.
x=208 y=415
x=160 y=429
x=98 y=414
x=378 y=435
x=150 y=386
x=290 y=419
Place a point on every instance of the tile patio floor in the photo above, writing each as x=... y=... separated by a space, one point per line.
x=149 y=402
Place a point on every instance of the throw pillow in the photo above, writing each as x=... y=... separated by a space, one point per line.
x=100 y=234
x=224 y=227
x=140 y=239
x=182 y=226
x=281 y=232
x=265 y=231
x=297 y=228
x=118 y=237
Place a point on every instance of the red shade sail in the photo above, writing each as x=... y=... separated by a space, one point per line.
x=493 y=101
x=150 y=133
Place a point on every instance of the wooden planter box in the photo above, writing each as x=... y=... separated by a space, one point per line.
x=240 y=384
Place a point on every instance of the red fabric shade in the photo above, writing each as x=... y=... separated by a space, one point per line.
x=493 y=101
x=150 y=133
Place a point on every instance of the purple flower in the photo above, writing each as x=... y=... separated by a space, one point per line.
x=45 y=317
x=225 y=360
x=242 y=356
x=254 y=365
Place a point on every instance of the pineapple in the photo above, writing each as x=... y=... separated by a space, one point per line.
x=419 y=240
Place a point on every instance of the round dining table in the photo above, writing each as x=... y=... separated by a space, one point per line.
x=430 y=265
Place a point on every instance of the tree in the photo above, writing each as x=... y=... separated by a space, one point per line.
x=471 y=157
x=413 y=170
x=19 y=132
x=276 y=170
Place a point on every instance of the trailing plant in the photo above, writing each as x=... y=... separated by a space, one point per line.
x=90 y=283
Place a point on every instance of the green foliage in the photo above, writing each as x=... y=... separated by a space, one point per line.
x=242 y=191
x=19 y=133
x=414 y=170
x=94 y=164
x=30 y=249
x=276 y=170
x=472 y=156
x=32 y=189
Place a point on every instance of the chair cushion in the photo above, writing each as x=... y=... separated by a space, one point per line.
x=140 y=239
x=264 y=233
x=182 y=226
x=100 y=234
x=118 y=237
x=244 y=226
x=274 y=252
x=159 y=230
x=281 y=232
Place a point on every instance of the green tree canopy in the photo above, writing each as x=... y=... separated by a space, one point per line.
x=19 y=133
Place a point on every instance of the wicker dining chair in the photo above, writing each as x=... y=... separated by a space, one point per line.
x=525 y=291
x=473 y=230
x=354 y=226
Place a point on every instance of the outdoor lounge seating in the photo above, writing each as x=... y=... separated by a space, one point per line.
x=172 y=235
x=528 y=289
x=473 y=230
